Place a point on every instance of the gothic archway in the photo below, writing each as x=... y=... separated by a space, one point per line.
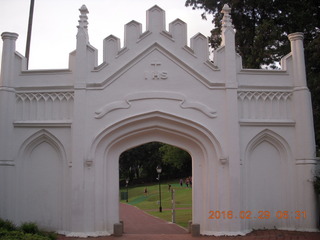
x=155 y=126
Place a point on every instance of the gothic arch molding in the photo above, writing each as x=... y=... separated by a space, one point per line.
x=272 y=138
x=107 y=146
x=155 y=119
x=39 y=137
x=42 y=155
x=262 y=175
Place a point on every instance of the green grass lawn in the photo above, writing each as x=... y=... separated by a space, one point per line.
x=150 y=202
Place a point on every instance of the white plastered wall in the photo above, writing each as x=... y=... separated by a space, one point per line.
x=249 y=132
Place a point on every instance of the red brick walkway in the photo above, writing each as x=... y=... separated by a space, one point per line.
x=139 y=225
x=139 y=222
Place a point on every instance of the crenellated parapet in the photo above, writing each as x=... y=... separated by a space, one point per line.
x=111 y=48
x=156 y=19
x=132 y=33
x=137 y=41
x=178 y=30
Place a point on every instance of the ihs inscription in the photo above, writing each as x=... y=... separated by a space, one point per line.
x=156 y=73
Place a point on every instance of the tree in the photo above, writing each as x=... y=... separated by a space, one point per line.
x=177 y=160
x=139 y=163
x=262 y=27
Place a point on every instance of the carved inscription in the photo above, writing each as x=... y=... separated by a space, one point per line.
x=156 y=73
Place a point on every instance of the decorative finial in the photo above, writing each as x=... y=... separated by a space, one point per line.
x=226 y=20
x=83 y=23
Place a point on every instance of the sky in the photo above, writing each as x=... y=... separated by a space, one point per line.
x=55 y=24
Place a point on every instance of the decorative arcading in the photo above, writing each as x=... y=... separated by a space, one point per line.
x=44 y=96
x=274 y=105
x=44 y=106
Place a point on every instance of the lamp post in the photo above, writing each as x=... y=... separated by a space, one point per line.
x=159 y=170
x=127 y=182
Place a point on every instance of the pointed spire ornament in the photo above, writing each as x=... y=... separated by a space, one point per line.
x=227 y=27
x=226 y=20
x=83 y=23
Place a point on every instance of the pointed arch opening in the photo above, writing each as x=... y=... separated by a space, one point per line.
x=108 y=145
x=141 y=186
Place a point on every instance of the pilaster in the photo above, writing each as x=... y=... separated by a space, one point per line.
x=78 y=224
x=231 y=127
x=305 y=141
x=7 y=97
x=7 y=64
x=304 y=134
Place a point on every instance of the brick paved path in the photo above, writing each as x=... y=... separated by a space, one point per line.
x=141 y=226
x=139 y=222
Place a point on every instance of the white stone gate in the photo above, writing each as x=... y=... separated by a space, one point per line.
x=249 y=132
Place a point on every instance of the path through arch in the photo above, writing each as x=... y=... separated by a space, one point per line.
x=139 y=205
x=155 y=126
x=137 y=221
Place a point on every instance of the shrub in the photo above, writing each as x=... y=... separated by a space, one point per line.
x=13 y=235
x=51 y=235
x=27 y=231
x=3 y=232
x=29 y=236
x=30 y=227
x=6 y=224
x=21 y=236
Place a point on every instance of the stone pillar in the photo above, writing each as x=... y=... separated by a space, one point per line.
x=7 y=110
x=7 y=64
x=297 y=51
x=230 y=164
x=7 y=97
x=305 y=141
x=79 y=222
x=304 y=152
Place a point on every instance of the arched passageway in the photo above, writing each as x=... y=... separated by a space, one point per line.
x=155 y=126
x=147 y=197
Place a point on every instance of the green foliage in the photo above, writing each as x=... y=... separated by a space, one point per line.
x=30 y=227
x=178 y=161
x=174 y=156
x=27 y=231
x=7 y=225
x=50 y=235
x=262 y=27
x=140 y=163
x=11 y=235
